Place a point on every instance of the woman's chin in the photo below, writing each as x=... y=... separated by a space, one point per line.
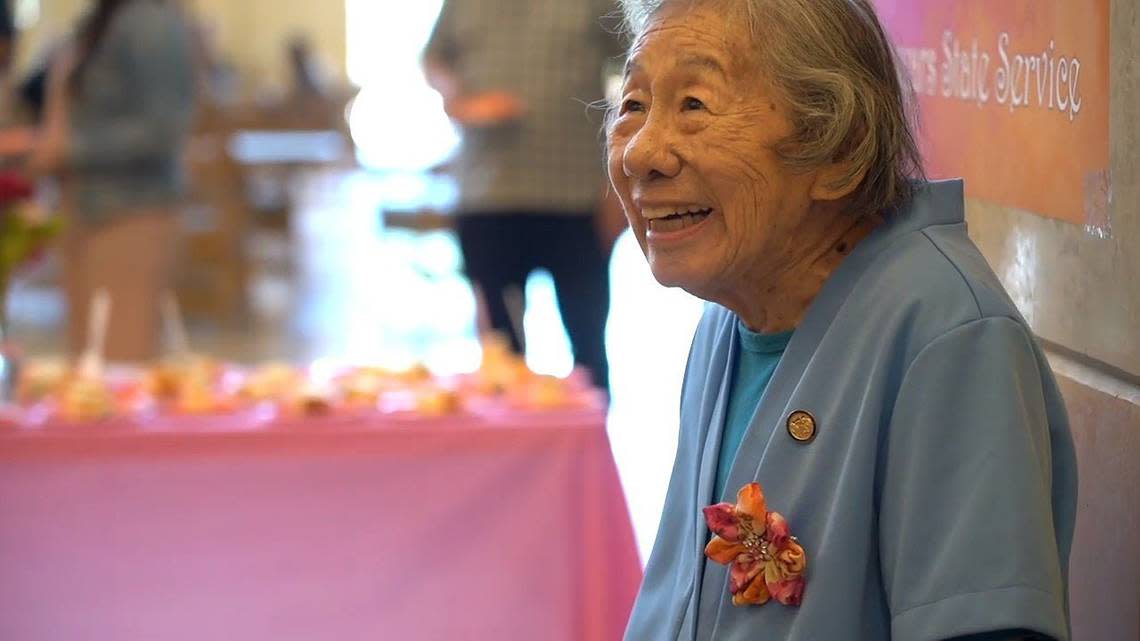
x=671 y=274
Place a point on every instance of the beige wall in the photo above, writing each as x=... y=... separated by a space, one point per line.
x=57 y=18
x=1104 y=568
x=250 y=33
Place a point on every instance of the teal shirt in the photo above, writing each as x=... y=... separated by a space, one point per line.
x=756 y=360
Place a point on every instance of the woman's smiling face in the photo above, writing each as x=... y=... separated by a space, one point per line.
x=691 y=155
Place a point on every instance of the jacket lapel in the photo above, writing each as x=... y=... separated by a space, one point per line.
x=938 y=203
x=713 y=407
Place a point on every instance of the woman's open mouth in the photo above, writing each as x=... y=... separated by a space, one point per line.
x=678 y=220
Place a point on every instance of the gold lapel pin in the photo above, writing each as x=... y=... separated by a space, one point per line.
x=801 y=426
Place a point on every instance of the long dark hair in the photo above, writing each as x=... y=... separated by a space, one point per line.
x=90 y=35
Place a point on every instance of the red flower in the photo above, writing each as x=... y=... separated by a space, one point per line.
x=765 y=560
x=14 y=187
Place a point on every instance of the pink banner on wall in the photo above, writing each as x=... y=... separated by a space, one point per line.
x=1013 y=98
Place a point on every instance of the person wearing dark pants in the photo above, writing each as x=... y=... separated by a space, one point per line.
x=502 y=249
x=516 y=77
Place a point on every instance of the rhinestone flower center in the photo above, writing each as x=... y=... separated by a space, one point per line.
x=755 y=543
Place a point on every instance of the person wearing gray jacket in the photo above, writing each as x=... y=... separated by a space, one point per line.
x=120 y=102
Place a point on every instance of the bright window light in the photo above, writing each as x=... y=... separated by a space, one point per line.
x=397 y=121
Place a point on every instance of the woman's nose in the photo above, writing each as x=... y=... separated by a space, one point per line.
x=649 y=153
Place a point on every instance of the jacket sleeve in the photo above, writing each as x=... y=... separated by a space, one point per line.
x=966 y=526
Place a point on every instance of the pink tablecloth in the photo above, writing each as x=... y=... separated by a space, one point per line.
x=438 y=529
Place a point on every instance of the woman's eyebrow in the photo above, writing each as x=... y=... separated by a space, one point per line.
x=697 y=60
x=703 y=61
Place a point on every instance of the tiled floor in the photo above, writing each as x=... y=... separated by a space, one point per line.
x=343 y=288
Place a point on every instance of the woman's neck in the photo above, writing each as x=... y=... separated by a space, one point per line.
x=778 y=302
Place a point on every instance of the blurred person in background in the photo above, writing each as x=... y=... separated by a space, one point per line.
x=315 y=98
x=517 y=77
x=119 y=104
x=309 y=77
x=7 y=36
x=13 y=140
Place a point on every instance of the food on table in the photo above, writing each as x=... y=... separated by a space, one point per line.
x=437 y=401
x=501 y=369
x=361 y=387
x=187 y=385
x=85 y=398
x=367 y=387
x=417 y=373
x=310 y=399
x=163 y=381
x=502 y=377
x=170 y=380
x=198 y=394
x=40 y=380
x=315 y=405
x=132 y=396
x=198 y=385
x=270 y=382
x=544 y=392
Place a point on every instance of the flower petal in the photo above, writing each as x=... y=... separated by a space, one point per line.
x=755 y=594
x=772 y=573
x=722 y=551
x=789 y=592
x=743 y=572
x=792 y=559
x=722 y=520
x=777 y=532
x=750 y=501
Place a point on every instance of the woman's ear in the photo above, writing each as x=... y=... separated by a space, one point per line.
x=848 y=167
x=836 y=180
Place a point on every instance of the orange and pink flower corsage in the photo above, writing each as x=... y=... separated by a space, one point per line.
x=766 y=561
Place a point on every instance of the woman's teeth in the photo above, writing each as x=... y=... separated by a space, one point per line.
x=676 y=222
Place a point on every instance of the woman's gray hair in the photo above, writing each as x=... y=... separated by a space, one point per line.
x=834 y=68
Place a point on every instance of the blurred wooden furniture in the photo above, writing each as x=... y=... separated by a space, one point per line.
x=214 y=270
x=275 y=142
x=424 y=220
x=243 y=160
x=423 y=216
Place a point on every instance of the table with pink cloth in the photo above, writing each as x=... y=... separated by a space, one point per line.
x=366 y=527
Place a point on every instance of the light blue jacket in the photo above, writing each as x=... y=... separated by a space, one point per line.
x=938 y=496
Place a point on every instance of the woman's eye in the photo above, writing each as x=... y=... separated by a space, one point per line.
x=631 y=105
x=691 y=103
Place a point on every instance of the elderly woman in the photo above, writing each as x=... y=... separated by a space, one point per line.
x=872 y=445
